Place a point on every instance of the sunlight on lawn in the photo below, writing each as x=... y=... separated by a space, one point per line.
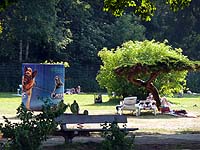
x=188 y=104
x=86 y=102
x=9 y=103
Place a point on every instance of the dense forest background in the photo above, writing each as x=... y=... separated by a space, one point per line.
x=76 y=30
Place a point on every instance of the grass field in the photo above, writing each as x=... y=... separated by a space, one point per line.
x=147 y=123
x=9 y=103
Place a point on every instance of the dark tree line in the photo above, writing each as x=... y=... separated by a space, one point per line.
x=76 y=30
x=66 y=30
x=181 y=29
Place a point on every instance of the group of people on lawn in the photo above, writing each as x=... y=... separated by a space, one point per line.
x=165 y=105
x=149 y=102
x=75 y=90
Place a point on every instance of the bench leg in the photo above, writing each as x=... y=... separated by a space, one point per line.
x=67 y=139
x=68 y=135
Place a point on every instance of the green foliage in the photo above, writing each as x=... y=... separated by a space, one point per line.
x=35 y=26
x=176 y=5
x=1 y=29
x=181 y=28
x=31 y=130
x=5 y=3
x=152 y=56
x=144 y=8
x=115 y=139
x=125 y=28
x=92 y=29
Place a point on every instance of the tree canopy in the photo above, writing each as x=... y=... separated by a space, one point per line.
x=144 y=8
x=147 y=64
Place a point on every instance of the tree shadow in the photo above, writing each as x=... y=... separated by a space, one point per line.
x=149 y=115
x=188 y=132
x=9 y=95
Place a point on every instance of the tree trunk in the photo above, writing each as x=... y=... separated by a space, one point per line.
x=20 y=50
x=27 y=50
x=152 y=89
x=149 y=87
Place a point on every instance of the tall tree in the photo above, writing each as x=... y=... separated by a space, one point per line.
x=125 y=28
x=181 y=28
x=33 y=28
x=92 y=29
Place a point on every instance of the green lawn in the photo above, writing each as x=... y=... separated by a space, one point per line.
x=188 y=102
x=9 y=103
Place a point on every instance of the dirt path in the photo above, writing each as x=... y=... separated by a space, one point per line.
x=143 y=142
x=168 y=142
x=166 y=133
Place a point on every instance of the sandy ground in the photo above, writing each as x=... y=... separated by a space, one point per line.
x=163 y=125
x=142 y=142
x=155 y=132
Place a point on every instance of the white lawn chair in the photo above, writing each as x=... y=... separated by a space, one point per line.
x=127 y=104
x=146 y=105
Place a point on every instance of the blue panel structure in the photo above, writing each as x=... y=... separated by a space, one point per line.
x=42 y=84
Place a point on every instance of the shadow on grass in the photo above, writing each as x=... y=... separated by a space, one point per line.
x=76 y=146
x=9 y=95
x=111 y=102
x=149 y=115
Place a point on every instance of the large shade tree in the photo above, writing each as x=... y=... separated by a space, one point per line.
x=147 y=64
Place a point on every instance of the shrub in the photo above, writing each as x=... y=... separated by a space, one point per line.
x=31 y=130
x=115 y=139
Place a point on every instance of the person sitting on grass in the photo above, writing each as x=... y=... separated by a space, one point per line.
x=150 y=100
x=165 y=105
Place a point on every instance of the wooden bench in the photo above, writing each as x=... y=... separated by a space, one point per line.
x=81 y=120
